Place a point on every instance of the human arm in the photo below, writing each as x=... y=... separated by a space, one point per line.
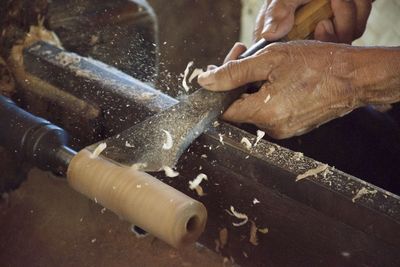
x=307 y=83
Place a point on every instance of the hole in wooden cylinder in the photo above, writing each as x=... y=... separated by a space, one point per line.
x=192 y=224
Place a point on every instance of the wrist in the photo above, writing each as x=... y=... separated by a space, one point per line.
x=376 y=74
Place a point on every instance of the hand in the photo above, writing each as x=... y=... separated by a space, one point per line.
x=276 y=19
x=307 y=83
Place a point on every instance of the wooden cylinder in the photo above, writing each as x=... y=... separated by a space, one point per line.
x=139 y=198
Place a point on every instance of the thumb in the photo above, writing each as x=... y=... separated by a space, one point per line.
x=235 y=73
x=279 y=18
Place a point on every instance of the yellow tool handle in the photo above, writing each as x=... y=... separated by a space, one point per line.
x=305 y=21
x=139 y=198
x=307 y=17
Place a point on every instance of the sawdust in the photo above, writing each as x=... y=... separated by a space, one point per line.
x=37 y=86
x=271 y=150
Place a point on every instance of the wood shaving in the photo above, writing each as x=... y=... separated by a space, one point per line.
x=326 y=172
x=362 y=192
x=312 y=172
x=127 y=144
x=199 y=191
x=253 y=234
x=246 y=142
x=203 y=156
x=260 y=135
x=185 y=74
x=221 y=138
x=100 y=148
x=138 y=166
x=298 y=156
x=268 y=98
x=223 y=237
x=197 y=181
x=239 y=216
x=195 y=73
x=169 y=172
x=216 y=124
x=168 y=142
x=271 y=150
x=263 y=230
x=255 y=201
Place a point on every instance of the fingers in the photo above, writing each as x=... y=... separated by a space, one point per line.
x=259 y=23
x=363 y=8
x=348 y=24
x=344 y=19
x=245 y=109
x=235 y=52
x=279 y=18
x=325 y=32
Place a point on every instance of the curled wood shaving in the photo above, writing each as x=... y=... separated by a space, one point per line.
x=246 y=142
x=194 y=74
x=312 y=172
x=169 y=172
x=362 y=192
x=253 y=234
x=260 y=135
x=185 y=74
x=239 y=216
x=195 y=184
x=100 y=148
x=168 y=142
x=197 y=181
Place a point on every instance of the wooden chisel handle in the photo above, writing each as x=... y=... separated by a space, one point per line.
x=139 y=198
x=306 y=19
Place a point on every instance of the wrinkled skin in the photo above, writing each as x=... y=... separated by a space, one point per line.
x=276 y=18
x=307 y=82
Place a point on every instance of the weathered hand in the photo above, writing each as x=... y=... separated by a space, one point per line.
x=276 y=19
x=307 y=83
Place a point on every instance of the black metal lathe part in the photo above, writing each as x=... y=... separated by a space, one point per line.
x=33 y=139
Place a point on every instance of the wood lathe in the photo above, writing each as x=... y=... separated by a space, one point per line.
x=257 y=213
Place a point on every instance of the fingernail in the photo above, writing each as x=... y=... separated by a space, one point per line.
x=204 y=78
x=271 y=27
x=328 y=27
